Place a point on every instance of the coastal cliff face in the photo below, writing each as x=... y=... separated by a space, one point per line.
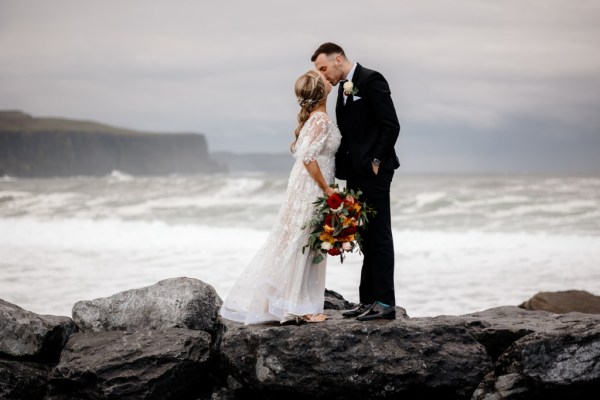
x=167 y=341
x=49 y=147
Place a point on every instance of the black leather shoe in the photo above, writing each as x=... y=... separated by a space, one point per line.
x=378 y=311
x=355 y=312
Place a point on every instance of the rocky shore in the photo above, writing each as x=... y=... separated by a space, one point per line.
x=167 y=341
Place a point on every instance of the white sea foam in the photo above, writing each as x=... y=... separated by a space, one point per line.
x=119 y=176
x=462 y=243
x=49 y=265
x=564 y=207
x=427 y=198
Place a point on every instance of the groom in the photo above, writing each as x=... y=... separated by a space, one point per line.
x=366 y=159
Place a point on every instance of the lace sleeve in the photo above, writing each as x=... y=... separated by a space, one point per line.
x=312 y=138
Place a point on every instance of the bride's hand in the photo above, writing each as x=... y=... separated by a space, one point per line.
x=330 y=191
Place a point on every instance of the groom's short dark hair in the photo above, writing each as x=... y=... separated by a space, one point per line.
x=328 y=49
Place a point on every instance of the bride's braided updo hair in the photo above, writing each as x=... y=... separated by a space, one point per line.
x=310 y=92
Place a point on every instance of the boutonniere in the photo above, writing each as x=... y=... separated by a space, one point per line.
x=349 y=89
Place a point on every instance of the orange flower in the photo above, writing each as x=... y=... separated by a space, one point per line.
x=325 y=237
x=344 y=220
x=337 y=221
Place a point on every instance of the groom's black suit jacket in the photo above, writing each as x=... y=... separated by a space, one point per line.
x=370 y=128
x=369 y=125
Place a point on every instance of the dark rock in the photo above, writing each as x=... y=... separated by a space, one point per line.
x=335 y=301
x=170 y=303
x=564 y=302
x=412 y=358
x=561 y=364
x=498 y=328
x=47 y=147
x=23 y=380
x=30 y=336
x=151 y=364
x=137 y=346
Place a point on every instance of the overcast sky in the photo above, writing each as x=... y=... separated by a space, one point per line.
x=481 y=85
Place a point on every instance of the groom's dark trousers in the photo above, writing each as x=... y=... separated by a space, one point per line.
x=370 y=128
x=377 y=274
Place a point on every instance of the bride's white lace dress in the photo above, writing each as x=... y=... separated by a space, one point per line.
x=280 y=281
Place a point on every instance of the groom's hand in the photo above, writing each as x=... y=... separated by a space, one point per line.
x=375 y=168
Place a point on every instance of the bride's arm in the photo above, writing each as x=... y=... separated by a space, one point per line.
x=315 y=172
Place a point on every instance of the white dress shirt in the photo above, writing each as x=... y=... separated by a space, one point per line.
x=349 y=78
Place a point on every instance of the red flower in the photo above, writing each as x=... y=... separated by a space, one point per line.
x=348 y=231
x=334 y=201
x=334 y=251
x=328 y=220
x=342 y=213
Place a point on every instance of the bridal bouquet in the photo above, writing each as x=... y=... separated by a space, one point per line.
x=335 y=224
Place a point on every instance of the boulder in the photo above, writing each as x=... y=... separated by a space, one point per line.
x=30 y=336
x=562 y=364
x=564 y=302
x=23 y=380
x=443 y=357
x=167 y=341
x=335 y=301
x=497 y=328
x=150 y=364
x=408 y=358
x=170 y=303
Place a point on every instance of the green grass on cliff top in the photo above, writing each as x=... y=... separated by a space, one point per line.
x=17 y=121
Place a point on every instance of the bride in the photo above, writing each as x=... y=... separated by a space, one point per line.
x=281 y=283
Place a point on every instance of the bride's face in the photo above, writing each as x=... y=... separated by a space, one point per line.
x=330 y=66
x=327 y=83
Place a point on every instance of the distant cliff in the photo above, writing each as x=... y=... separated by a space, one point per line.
x=47 y=147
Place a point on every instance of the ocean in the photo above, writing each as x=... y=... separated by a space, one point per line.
x=463 y=243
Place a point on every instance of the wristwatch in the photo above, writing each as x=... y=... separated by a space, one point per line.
x=376 y=162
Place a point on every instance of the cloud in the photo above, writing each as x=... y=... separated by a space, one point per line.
x=503 y=71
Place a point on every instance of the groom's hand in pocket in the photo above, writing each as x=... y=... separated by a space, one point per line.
x=375 y=168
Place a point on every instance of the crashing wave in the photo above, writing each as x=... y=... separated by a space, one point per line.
x=120 y=176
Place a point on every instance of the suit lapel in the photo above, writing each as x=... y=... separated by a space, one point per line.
x=349 y=100
x=340 y=98
x=357 y=76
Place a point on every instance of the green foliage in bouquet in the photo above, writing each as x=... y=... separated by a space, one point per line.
x=336 y=224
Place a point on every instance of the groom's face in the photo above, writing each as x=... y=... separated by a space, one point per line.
x=326 y=82
x=330 y=66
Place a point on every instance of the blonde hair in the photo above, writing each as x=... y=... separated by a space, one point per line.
x=310 y=92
